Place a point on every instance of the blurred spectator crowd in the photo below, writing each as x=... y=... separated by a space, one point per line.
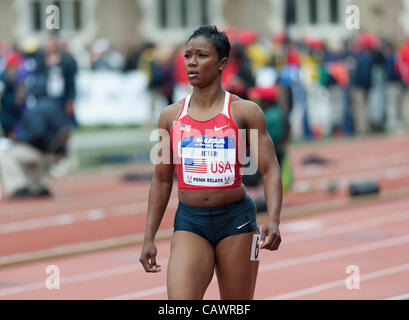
x=354 y=87
x=37 y=90
x=319 y=89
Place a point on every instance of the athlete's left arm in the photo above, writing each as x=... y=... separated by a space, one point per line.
x=270 y=171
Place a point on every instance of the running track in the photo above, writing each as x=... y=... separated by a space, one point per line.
x=99 y=206
x=310 y=263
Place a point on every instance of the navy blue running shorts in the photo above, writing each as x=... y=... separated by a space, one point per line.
x=217 y=223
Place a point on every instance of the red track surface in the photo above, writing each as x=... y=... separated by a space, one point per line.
x=310 y=264
x=313 y=256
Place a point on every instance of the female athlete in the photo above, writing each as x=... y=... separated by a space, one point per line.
x=215 y=227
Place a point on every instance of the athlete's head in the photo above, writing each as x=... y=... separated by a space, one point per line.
x=218 y=39
x=206 y=55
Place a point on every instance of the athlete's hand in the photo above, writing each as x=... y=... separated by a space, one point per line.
x=270 y=236
x=148 y=257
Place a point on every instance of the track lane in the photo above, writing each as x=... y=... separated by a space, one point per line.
x=305 y=261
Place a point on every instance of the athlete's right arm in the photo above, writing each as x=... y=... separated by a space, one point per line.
x=159 y=194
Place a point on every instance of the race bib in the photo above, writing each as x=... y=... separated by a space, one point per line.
x=208 y=161
x=255 y=248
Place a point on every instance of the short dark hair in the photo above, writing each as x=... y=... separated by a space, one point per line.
x=218 y=39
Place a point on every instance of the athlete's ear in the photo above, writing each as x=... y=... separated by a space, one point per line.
x=223 y=63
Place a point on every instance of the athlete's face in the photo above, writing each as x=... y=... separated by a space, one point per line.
x=202 y=63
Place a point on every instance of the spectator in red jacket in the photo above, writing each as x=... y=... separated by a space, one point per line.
x=402 y=64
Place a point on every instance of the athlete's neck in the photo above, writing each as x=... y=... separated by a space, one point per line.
x=208 y=97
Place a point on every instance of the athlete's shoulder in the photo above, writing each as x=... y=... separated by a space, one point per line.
x=245 y=109
x=170 y=114
x=172 y=109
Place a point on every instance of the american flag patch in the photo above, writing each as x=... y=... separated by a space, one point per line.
x=195 y=165
x=185 y=127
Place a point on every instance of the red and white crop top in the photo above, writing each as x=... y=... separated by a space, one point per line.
x=206 y=153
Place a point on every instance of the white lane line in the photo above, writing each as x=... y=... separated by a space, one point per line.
x=306 y=259
x=372 y=162
x=76 y=217
x=140 y=208
x=301 y=226
x=139 y=294
x=71 y=279
x=374 y=245
x=96 y=214
x=76 y=278
x=347 y=227
x=343 y=179
x=400 y=297
x=267 y=267
x=58 y=220
x=340 y=283
x=372 y=222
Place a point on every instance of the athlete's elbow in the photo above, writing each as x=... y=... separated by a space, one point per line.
x=271 y=171
x=162 y=180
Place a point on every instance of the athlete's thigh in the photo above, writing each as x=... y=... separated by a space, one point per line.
x=236 y=272
x=191 y=266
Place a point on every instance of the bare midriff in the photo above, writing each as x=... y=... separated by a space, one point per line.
x=211 y=198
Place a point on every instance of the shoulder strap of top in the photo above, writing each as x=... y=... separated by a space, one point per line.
x=185 y=107
x=226 y=106
x=225 y=111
